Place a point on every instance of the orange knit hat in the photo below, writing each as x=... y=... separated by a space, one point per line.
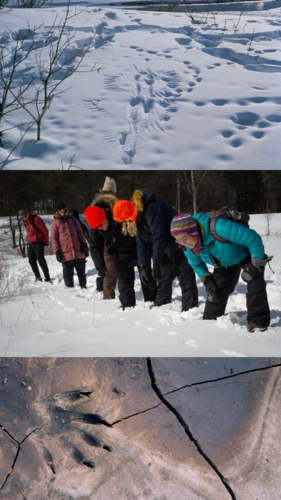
x=125 y=210
x=95 y=216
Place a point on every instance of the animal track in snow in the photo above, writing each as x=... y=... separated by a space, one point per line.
x=156 y=95
x=247 y=120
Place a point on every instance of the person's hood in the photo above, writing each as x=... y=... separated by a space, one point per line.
x=140 y=199
x=58 y=216
x=105 y=201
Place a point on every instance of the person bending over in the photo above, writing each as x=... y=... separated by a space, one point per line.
x=121 y=248
x=242 y=250
x=150 y=219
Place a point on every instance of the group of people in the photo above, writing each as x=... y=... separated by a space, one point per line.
x=149 y=234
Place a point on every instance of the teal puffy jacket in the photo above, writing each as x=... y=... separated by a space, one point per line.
x=242 y=242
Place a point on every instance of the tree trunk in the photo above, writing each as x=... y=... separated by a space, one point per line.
x=21 y=239
x=39 y=130
x=179 y=196
x=13 y=232
x=194 y=192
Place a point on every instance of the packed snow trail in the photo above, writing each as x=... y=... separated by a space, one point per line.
x=52 y=320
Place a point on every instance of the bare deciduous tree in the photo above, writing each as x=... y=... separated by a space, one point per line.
x=22 y=244
x=63 y=60
x=268 y=209
x=11 y=61
x=3 y=3
x=194 y=179
x=13 y=231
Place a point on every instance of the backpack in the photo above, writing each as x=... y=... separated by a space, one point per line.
x=86 y=251
x=73 y=218
x=228 y=213
x=33 y=223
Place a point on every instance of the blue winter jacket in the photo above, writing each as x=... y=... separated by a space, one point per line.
x=153 y=225
x=242 y=243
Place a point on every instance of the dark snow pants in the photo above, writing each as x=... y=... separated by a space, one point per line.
x=36 y=253
x=109 y=283
x=99 y=284
x=256 y=296
x=126 y=281
x=68 y=272
x=183 y=271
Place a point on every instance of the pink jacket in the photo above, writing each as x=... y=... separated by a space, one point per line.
x=65 y=238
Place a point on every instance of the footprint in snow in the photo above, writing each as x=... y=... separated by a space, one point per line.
x=111 y=15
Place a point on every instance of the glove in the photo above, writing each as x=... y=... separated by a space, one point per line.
x=83 y=247
x=156 y=272
x=144 y=276
x=102 y=271
x=59 y=256
x=211 y=288
x=261 y=262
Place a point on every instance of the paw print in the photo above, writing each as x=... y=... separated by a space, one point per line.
x=64 y=428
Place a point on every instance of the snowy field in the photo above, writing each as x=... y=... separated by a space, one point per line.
x=176 y=90
x=52 y=320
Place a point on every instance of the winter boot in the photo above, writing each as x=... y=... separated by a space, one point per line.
x=252 y=327
x=38 y=278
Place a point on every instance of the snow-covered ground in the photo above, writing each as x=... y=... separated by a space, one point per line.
x=52 y=320
x=174 y=92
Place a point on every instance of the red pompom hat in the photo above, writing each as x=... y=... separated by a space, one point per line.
x=125 y=210
x=95 y=216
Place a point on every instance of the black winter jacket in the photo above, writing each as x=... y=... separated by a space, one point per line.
x=120 y=247
x=154 y=236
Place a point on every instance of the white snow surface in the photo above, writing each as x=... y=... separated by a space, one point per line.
x=172 y=92
x=53 y=320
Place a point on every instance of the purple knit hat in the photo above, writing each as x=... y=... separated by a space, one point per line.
x=186 y=224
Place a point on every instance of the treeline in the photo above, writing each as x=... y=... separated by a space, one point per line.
x=188 y=191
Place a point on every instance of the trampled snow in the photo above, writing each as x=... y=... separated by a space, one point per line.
x=52 y=320
x=180 y=90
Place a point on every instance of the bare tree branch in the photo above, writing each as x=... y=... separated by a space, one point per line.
x=2 y=165
x=10 y=65
x=58 y=62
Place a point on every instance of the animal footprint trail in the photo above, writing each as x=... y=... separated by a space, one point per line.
x=155 y=100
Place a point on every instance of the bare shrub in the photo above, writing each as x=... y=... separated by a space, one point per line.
x=32 y=4
x=10 y=284
x=61 y=61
